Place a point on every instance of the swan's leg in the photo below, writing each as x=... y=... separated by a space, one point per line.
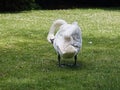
x=59 y=59
x=75 y=58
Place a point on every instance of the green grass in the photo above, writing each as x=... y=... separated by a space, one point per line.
x=29 y=62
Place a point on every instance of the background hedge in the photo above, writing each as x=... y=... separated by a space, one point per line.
x=18 y=5
x=59 y=4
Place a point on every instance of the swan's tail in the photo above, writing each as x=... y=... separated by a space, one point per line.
x=55 y=24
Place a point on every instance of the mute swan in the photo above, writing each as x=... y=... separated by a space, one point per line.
x=67 y=41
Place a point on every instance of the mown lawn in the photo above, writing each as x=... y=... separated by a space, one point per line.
x=29 y=62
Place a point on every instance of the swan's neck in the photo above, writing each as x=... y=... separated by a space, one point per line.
x=55 y=24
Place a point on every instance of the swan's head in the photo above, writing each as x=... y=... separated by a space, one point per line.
x=50 y=38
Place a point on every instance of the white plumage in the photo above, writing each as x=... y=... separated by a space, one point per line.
x=67 y=41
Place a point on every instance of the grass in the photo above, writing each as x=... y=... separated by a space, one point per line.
x=29 y=62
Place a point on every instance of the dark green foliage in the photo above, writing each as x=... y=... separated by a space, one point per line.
x=16 y=5
x=64 y=4
x=19 y=5
x=56 y=4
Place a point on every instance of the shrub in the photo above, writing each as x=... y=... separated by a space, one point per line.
x=59 y=4
x=16 y=5
x=55 y=4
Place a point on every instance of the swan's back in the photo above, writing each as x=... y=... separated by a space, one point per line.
x=68 y=40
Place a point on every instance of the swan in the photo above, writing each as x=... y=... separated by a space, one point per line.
x=67 y=41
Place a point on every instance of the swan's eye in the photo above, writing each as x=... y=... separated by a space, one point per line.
x=52 y=40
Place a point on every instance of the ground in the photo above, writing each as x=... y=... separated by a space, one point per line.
x=29 y=62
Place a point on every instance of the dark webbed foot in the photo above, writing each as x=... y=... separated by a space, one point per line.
x=62 y=65
x=59 y=60
x=75 y=58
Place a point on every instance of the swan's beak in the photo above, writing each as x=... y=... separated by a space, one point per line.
x=52 y=40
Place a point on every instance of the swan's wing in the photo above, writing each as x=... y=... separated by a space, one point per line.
x=66 y=36
x=77 y=38
x=58 y=41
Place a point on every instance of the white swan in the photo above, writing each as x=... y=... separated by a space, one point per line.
x=67 y=41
